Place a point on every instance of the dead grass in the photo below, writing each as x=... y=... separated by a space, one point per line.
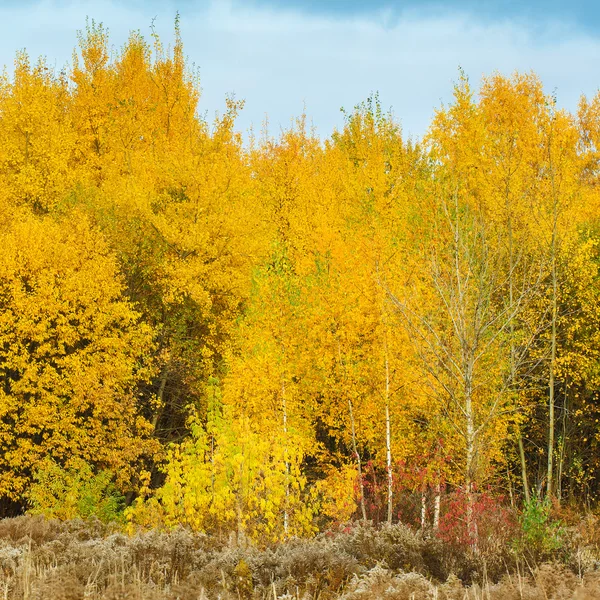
x=52 y=560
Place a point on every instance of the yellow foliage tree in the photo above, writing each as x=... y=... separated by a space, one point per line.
x=73 y=354
x=37 y=143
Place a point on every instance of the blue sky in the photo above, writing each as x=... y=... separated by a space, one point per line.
x=584 y=13
x=284 y=56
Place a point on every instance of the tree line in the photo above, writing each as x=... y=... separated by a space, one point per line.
x=264 y=338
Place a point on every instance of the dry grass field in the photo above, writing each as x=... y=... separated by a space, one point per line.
x=52 y=560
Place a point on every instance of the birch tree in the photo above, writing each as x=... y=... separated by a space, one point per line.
x=459 y=321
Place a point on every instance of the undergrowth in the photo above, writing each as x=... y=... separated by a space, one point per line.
x=44 y=559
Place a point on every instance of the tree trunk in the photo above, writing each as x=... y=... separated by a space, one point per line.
x=511 y=266
x=551 y=382
x=388 y=437
x=523 y=468
x=285 y=451
x=161 y=392
x=361 y=486
x=470 y=456
x=436 y=507
x=563 y=446
x=551 y=391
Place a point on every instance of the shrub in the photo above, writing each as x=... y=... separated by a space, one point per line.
x=67 y=493
x=539 y=536
x=493 y=523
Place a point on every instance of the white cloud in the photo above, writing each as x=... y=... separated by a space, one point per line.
x=280 y=61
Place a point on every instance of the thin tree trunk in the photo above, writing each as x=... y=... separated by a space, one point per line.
x=238 y=503
x=240 y=526
x=388 y=437
x=161 y=392
x=467 y=360
x=551 y=378
x=511 y=266
x=563 y=445
x=551 y=429
x=436 y=507
x=523 y=469
x=388 y=425
x=510 y=488
x=361 y=486
x=285 y=451
x=470 y=455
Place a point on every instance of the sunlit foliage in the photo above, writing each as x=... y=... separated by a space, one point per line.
x=265 y=337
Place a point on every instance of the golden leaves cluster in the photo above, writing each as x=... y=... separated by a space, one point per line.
x=174 y=299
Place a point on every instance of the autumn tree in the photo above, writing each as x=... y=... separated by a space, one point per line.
x=173 y=197
x=36 y=134
x=505 y=149
x=460 y=329
x=359 y=318
x=241 y=467
x=74 y=354
x=380 y=173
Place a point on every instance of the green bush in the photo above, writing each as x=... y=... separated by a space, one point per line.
x=67 y=493
x=540 y=535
